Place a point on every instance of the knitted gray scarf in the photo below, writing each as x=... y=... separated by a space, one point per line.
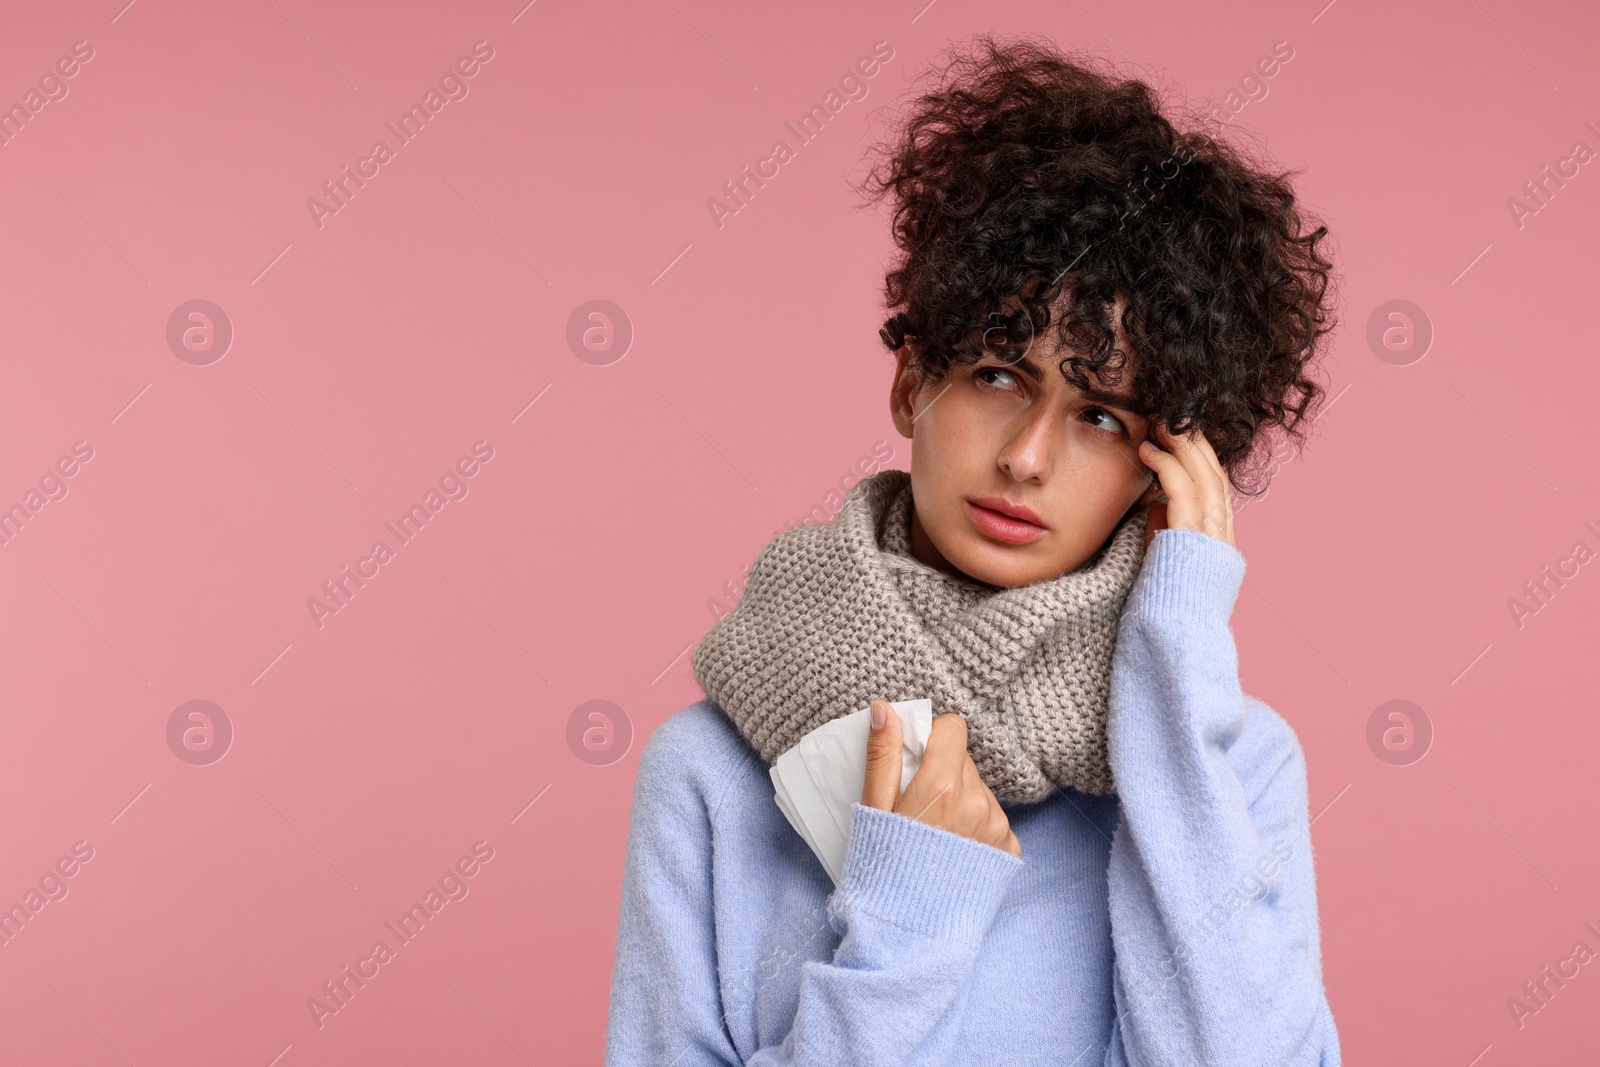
x=836 y=614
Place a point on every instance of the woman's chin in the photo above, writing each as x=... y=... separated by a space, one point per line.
x=998 y=565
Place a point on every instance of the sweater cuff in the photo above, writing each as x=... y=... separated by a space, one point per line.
x=1187 y=576
x=922 y=877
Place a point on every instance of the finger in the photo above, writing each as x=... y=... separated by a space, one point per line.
x=972 y=782
x=1194 y=451
x=975 y=782
x=997 y=824
x=881 y=787
x=1202 y=446
x=1186 y=452
x=1215 y=507
x=947 y=747
x=1195 y=482
x=1174 y=478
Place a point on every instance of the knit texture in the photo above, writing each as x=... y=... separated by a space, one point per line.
x=837 y=614
x=1174 y=923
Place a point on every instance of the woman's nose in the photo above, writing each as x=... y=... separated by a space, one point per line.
x=1029 y=451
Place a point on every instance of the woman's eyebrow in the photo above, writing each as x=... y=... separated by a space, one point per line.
x=1125 y=402
x=1113 y=399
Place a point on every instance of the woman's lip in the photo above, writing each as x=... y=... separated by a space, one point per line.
x=1003 y=527
x=1005 y=507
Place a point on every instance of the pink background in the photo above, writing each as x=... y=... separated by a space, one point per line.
x=432 y=711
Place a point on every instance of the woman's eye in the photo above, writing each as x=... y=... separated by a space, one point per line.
x=984 y=373
x=1116 y=427
x=1002 y=380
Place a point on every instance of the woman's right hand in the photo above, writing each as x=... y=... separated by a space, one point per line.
x=946 y=791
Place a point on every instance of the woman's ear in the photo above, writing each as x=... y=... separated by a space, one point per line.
x=1152 y=492
x=902 y=390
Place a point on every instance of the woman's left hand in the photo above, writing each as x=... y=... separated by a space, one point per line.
x=1194 y=484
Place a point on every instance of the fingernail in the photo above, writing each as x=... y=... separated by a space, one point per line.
x=878 y=716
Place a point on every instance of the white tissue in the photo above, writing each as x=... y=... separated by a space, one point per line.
x=816 y=781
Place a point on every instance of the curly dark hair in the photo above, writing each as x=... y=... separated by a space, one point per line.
x=1025 y=174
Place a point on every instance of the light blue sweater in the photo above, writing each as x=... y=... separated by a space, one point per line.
x=1173 y=924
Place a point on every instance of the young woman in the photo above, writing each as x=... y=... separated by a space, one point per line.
x=1105 y=856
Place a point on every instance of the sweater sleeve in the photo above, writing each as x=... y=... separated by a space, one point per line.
x=912 y=906
x=1212 y=888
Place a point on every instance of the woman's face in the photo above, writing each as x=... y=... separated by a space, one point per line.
x=999 y=434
